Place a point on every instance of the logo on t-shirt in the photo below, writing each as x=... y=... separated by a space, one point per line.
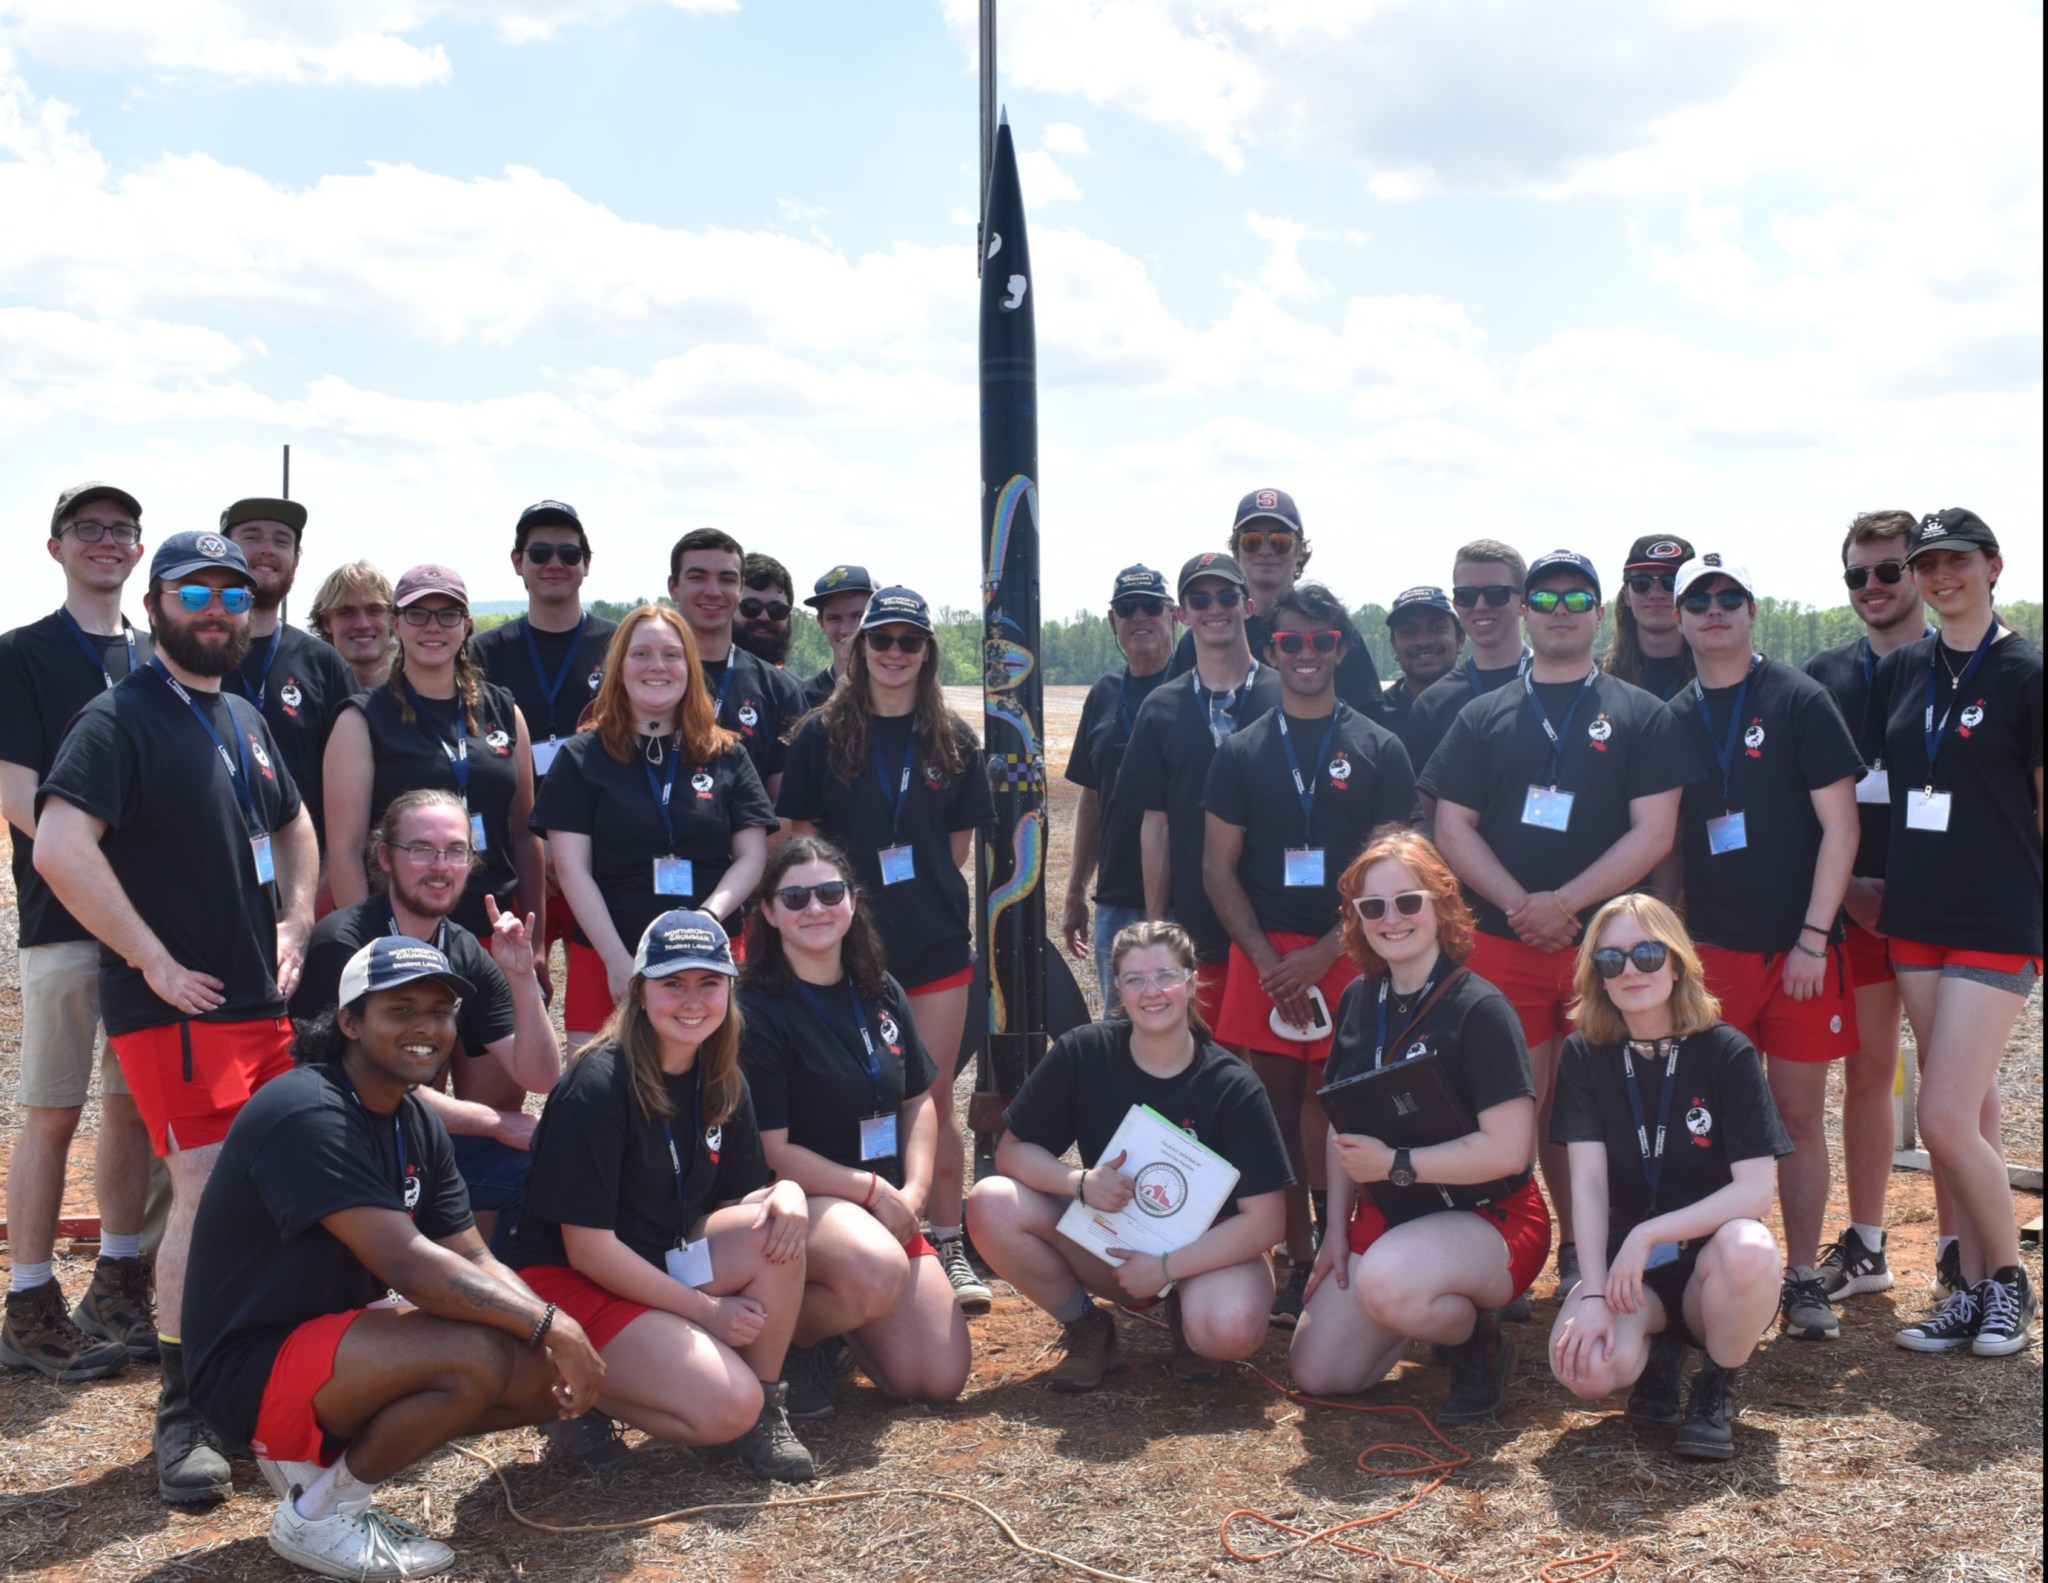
x=1599 y=730
x=1160 y=1189
x=1340 y=772
x=714 y=1140
x=700 y=783
x=290 y=696
x=1699 y=1121
x=933 y=779
x=749 y=716
x=891 y=1034
x=262 y=758
x=412 y=1189
x=597 y=678
x=1419 y=1048
x=499 y=743
x=1971 y=718
x=1753 y=738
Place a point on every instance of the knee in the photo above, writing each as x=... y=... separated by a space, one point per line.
x=1946 y=1126
x=992 y=1206
x=1225 y=1333
x=52 y=1126
x=481 y=1365
x=871 y=1283
x=1746 y=1255
x=1316 y=1371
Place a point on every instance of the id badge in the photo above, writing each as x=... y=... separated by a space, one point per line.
x=1876 y=787
x=477 y=839
x=1727 y=834
x=899 y=863
x=1927 y=809
x=1305 y=866
x=673 y=877
x=877 y=1138
x=544 y=755
x=1660 y=1254
x=266 y=869
x=1547 y=808
x=690 y=1262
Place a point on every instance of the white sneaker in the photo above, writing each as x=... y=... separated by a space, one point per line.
x=284 y=1477
x=363 y=1545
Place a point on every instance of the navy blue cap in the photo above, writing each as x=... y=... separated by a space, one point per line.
x=1953 y=529
x=1211 y=563
x=680 y=940
x=1422 y=597
x=891 y=606
x=1277 y=504
x=840 y=580
x=391 y=960
x=1141 y=580
x=1562 y=561
x=182 y=554
x=543 y=512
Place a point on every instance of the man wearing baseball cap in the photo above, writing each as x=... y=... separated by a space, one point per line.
x=170 y=827
x=1553 y=795
x=840 y=599
x=1107 y=834
x=335 y=1184
x=1649 y=652
x=1426 y=636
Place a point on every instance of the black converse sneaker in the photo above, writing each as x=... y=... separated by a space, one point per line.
x=1849 y=1267
x=971 y=1290
x=2007 y=1300
x=1950 y=1328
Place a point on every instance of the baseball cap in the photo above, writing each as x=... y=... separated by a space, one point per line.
x=1139 y=580
x=1657 y=552
x=683 y=939
x=1422 y=597
x=1953 y=529
x=1567 y=561
x=1713 y=566
x=256 y=509
x=1274 y=503
x=1211 y=563
x=890 y=605
x=79 y=494
x=426 y=579
x=545 y=513
x=391 y=960
x=840 y=580
x=185 y=553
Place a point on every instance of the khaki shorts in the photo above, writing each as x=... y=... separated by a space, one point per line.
x=60 y=1026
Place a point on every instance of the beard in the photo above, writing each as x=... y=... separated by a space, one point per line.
x=423 y=901
x=192 y=653
x=766 y=643
x=268 y=595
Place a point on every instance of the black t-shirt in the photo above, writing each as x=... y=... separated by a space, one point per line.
x=1474 y=1032
x=1977 y=885
x=760 y=702
x=417 y=757
x=598 y=1161
x=817 y=689
x=591 y=793
x=1363 y=781
x=1166 y=767
x=1662 y=675
x=262 y=1264
x=485 y=1017
x=1358 y=678
x=1618 y=744
x=1430 y=716
x=923 y=920
x=807 y=1066
x=45 y=679
x=1721 y=1112
x=300 y=686
x=507 y=659
x=178 y=841
x=1842 y=672
x=1081 y=1091
x=1108 y=716
x=1791 y=742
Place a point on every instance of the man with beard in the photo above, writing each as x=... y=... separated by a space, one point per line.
x=1426 y=635
x=763 y=626
x=201 y=896
x=423 y=854
x=840 y=598
x=296 y=682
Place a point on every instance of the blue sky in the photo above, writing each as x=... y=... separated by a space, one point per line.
x=1556 y=274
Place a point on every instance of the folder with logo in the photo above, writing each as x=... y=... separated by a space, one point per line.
x=1181 y=1184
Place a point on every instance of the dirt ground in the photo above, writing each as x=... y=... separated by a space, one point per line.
x=1855 y=1460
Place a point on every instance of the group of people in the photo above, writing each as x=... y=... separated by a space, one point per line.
x=326 y=990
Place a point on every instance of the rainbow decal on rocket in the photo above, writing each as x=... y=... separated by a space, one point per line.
x=1028 y=863
x=1001 y=520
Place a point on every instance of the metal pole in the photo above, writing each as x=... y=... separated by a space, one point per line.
x=286 y=493
x=988 y=121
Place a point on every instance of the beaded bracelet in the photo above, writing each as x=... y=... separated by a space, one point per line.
x=541 y=1327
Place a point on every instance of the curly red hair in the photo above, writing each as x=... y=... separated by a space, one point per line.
x=1419 y=856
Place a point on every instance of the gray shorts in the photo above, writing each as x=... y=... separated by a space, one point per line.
x=60 y=1027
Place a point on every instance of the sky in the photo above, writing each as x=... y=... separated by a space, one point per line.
x=1443 y=269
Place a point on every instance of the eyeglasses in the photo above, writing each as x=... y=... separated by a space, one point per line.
x=1647 y=955
x=541 y=552
x=1257 y=539
x=773 y=609
x=1886 y=572
x=1407 y=903
x=1138 y=605
x=427 y=855
x=1466 y=595
x=908 y=642
x=1223 y=598
x=126 y=532
x=1576 y=601
x=1726 y=598
x=1322 y=642
x=795 y=898
x=1165 y=978
x=445 y=616
x=1643 y=582
x=195 y=597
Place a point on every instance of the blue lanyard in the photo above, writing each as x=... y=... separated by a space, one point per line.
x=553 y=690
x=1472 y=673
x=1724 y=753
x=241 y=781
x=725 y=686
x=1653 y=1158
x=1556 y=733
x=92 y=651
x=675 y=1157
x=1936 y=734
x=860 y=1021
x=262 y=687
x=664 y=789
x=1870 y=660
x=1379 y=1054
x=900 y=798
x=1208 y=703
x=458 y=755
x=1305 y=790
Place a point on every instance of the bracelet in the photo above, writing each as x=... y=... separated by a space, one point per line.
x=874 y=1187
x=540 y=1329
x=1814 y=928
x=1561 y=907
x=1163 y=1270
x=1806 y=950
x=1081 y=1189
x=1585 y=1297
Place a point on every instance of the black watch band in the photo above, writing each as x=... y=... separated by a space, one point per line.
x=1402 y=1172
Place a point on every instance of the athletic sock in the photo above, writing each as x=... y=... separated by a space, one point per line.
x=1074 y=1307
x=335 y=1490
x=945 y=1233
x=1941 y=1246
x=1873 y=1236
x=27 y=1277
x=113 y=1245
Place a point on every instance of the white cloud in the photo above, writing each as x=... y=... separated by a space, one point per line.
x=1042 y=181
x=1064 y=137
x=1283 y=274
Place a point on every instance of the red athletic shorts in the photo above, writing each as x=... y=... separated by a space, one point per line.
x=190 y=1079
x=1919 y=954
x=601 y=1313
x=588 y=1000
x=1870 y=957
x=1521 y=1218
x=1751 y=988
x=1210 y=978
x=1245 y=1017
x=1538 y=984
x=938 y=985
x=286 y=1429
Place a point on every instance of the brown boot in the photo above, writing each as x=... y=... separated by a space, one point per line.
x=1093 y=1352
x=38 y=1334
x=119 y=1306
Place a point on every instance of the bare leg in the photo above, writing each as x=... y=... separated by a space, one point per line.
x=1733 y=1293
x=1550 y=1157
x=1800 y=1089
x=941 y=1018
x=1428 y=1279
x=1868 y=1131
x=919 y=1350
x=739 y=1260
x=1315 y=1128
x=1961 y=1046
x=1225 y=1313
x=1337 y=1348
x=854 y=1271
x=664 y=1375
x=121 y=1164
x=1629 y=1347
x=1284 y=1078
x=35 y=1180
x=189 y=1170
x=1014 y=1227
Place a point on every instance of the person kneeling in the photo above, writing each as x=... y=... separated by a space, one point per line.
x=334 y=1184
x=1688 y=1259
x=1162 y=1057
x=649 y=1218
x=1444 y=1235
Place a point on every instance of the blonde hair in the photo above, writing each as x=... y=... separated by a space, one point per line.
x=1693 y=1009
x=1176 y=941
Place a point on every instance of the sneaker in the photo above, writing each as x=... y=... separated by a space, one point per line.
x=1804 y=1311
x=1950 y=1328
x=590 y=1440
x=1948 y=1268
x=1187 y=1365
x=812 y=1378
x=1093 y=1351
x=771 y=1448
x=970 y=1289
x=2007 y=1300
x=362 y=1544
x=1708 y=1433
x=1653 y=1403
x=286 y=1478
x=1849 y=1267
x=38 y=1334
x=1288 y=1300
x=1518 y=1310
x=119 y=1306
x=1479 y=1373
x=1567 y=1269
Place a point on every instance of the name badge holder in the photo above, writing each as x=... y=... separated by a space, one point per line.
x=877 y=1136
x=1550 y=807
x=1875 y=787
x=1729 y=832
x=1927 y=809
x=1302 y=866
x=544 y=755
x=688 y=1262
x=898 y=859
x=457 y=754
x=673 y=876
x=239 y=774
x=1653 y=1153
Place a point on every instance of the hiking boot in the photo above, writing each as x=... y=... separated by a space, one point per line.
x=1567 y=1269
x=1093 y=1351
x=1188 y=1366
x=2007 y=1301
x=363 y=1544
x=1950 y=1328
x=119 y=1306
x=1708 y=1433
x=38 y=1334
x=1804 y=1311
x=1479 y=1372
x=771 y=1448
x=968 y=1288
x=1849 y=1267
x=191 y=1461
x=812 y=1380
x=1654 y=1402
x=591 y=1440
x=1288 y=1300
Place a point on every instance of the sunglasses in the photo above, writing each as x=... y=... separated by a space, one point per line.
x=195 y=597
x=755 y=609
x=1223 y=598
x=1726 y=598
x=421 y=616
x=795 y=898
x=126 y=532
x=1138 y=605
x=1857 y=577
x=1407 y=903
x=1647 y=955
x=1257 y=539
x=1643 y=582
x=1466 y=595
x=541 y=552
x=1294 y=642
x=1576 y=601
x=908 y=642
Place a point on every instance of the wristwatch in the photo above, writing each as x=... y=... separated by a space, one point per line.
x=1402 y=1172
